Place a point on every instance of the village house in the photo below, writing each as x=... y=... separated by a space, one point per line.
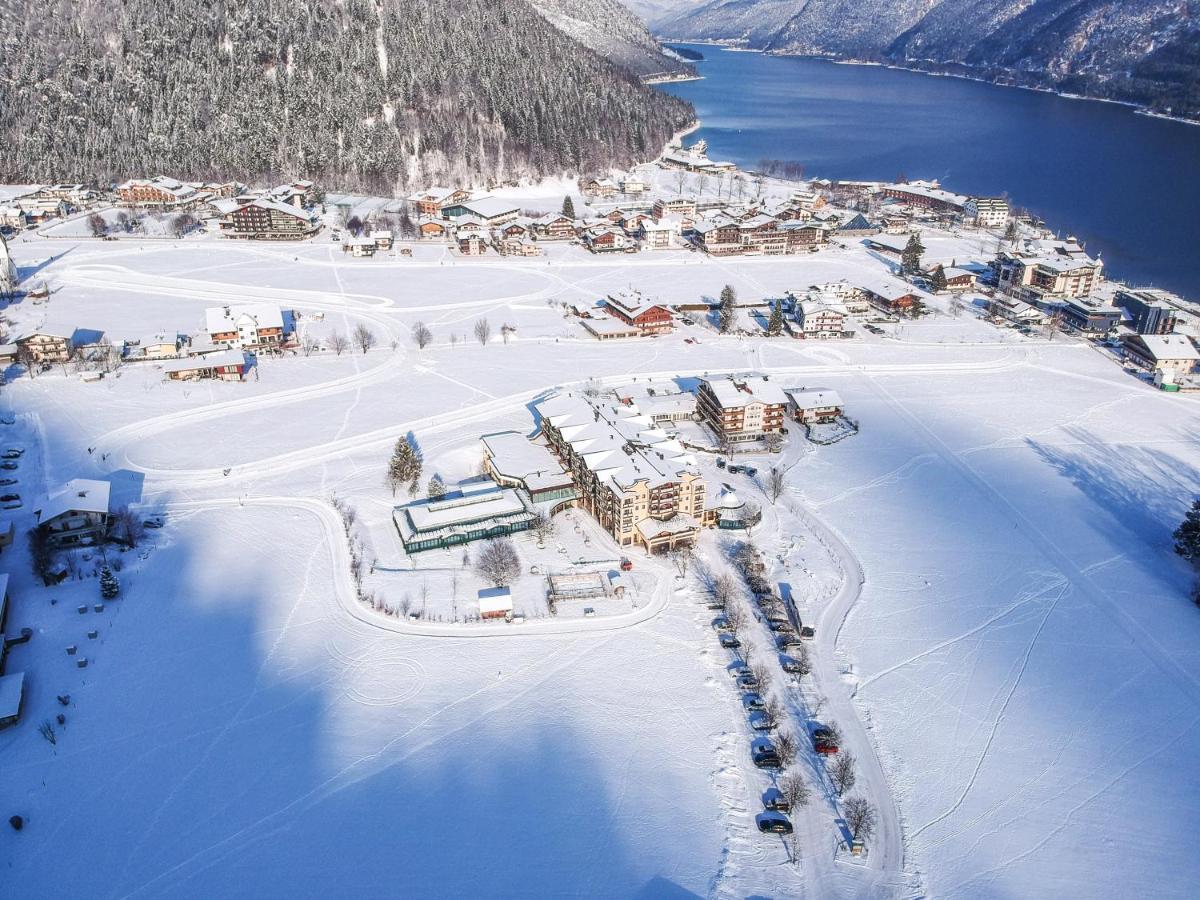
x=632 y=184
x=495 y=603
x=814 y=406
x=1019 y=312
x=1162 y=353
x=224 y=365
x=75 y=515
x=471 y=243
x=554 y=227
x=816 y=320
x=718 y=235
x=269 y=220
x=46 y=347
x=517 y=246
x=1149 y=311
x=12 y=217
x=475 y=509
x=958 y=280
x=515 y=461
x=361 y=246
x=638 y=482
x=608 y=239
x=432 y=230
x=255 y=326
x=161 y=192
x=804 y=236
x=599 y=188
x=658 y=235
x=639 y=312
x=741 y=408
x=925 y=195
x=986 y=212
x=841 y=295
x=892 y=296
x=383 y=238
x=664 y=404
x=154 y=346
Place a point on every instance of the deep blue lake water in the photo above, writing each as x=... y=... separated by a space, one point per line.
x=1127 y=184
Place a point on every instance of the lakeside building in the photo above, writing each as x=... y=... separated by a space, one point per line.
x=986 y=212
x=1089 y=315
x=638 y=482
x=477 y=509
x=925 y=195
x=1040 y=271
x=1150 y=311
x=1162 y=353
x=740 y=408
x=694 y=159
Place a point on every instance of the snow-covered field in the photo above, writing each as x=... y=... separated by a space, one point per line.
x=1017 y=671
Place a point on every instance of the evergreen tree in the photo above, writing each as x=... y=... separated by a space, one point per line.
x=437 y=488
x=937 y=281
x=568 y=207
x=910 y=259
x=727 y=311
x=775 y=323
x=405 y=465
x=109 y=586
x=1011 y=232
x=1187 y=535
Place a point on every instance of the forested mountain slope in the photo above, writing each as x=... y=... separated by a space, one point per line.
x=1142 y=51
x=373 y=94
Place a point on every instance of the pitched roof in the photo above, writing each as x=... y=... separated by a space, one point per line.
x=77 y=495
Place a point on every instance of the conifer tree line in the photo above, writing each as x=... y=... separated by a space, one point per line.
x=378 y=95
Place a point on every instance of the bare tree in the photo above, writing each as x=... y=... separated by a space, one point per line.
x=762 y=672
x=97 y=224
x=842 y=773
x=421 y=335
x=364 y=337
x=725 y=589
x=483 y=331
x=543 y=527
x=776 y=483
x=682 y=556
x=46 y=730
x=956 y=305
x=736 y=619
x=124 y=222
x=308 y=345
x=786 y=746
x=497 y=562
x=127 y=527
x=860 y=818
x=794 y=789
x=183 y=223
x=773 y=441
x=338 y=343
x=803 y=661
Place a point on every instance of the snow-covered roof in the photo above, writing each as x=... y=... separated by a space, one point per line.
x=219 y=359
x=12 y=687
x=1170 y=346
x=734 y=391
x=495 y=600
x=490 y=207
x=633 y=303
x=277 y=206
x=515 y=456
x=677 y=524
x=220 y=319
x=815 y=398
x=78 y=495
x=619 y=443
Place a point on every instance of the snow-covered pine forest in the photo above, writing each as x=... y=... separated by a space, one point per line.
x=370 y=94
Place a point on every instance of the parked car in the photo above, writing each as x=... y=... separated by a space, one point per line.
x=721 y=623
x=720 y=462
x=589 y=611
x=785 y=640
x=6 y=420
x=748 y=683
x=16 y=504
x=12 y=453
x=774 y=800
x=5 y=482
x=7 y=498
x=760 y=720
x=750 y=470
x=737 y=670
x=824 y=740
x=734 y=470
x=779 y=625
x=808 y=632
x=729 y=642
x=789 y=664
x=752 y=701
x=153 y=522
x=764 y=754
x=714 y=604
x=9 y=464
x=772 y=822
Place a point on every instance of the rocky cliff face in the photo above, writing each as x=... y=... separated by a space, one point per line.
x=1142 y=51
